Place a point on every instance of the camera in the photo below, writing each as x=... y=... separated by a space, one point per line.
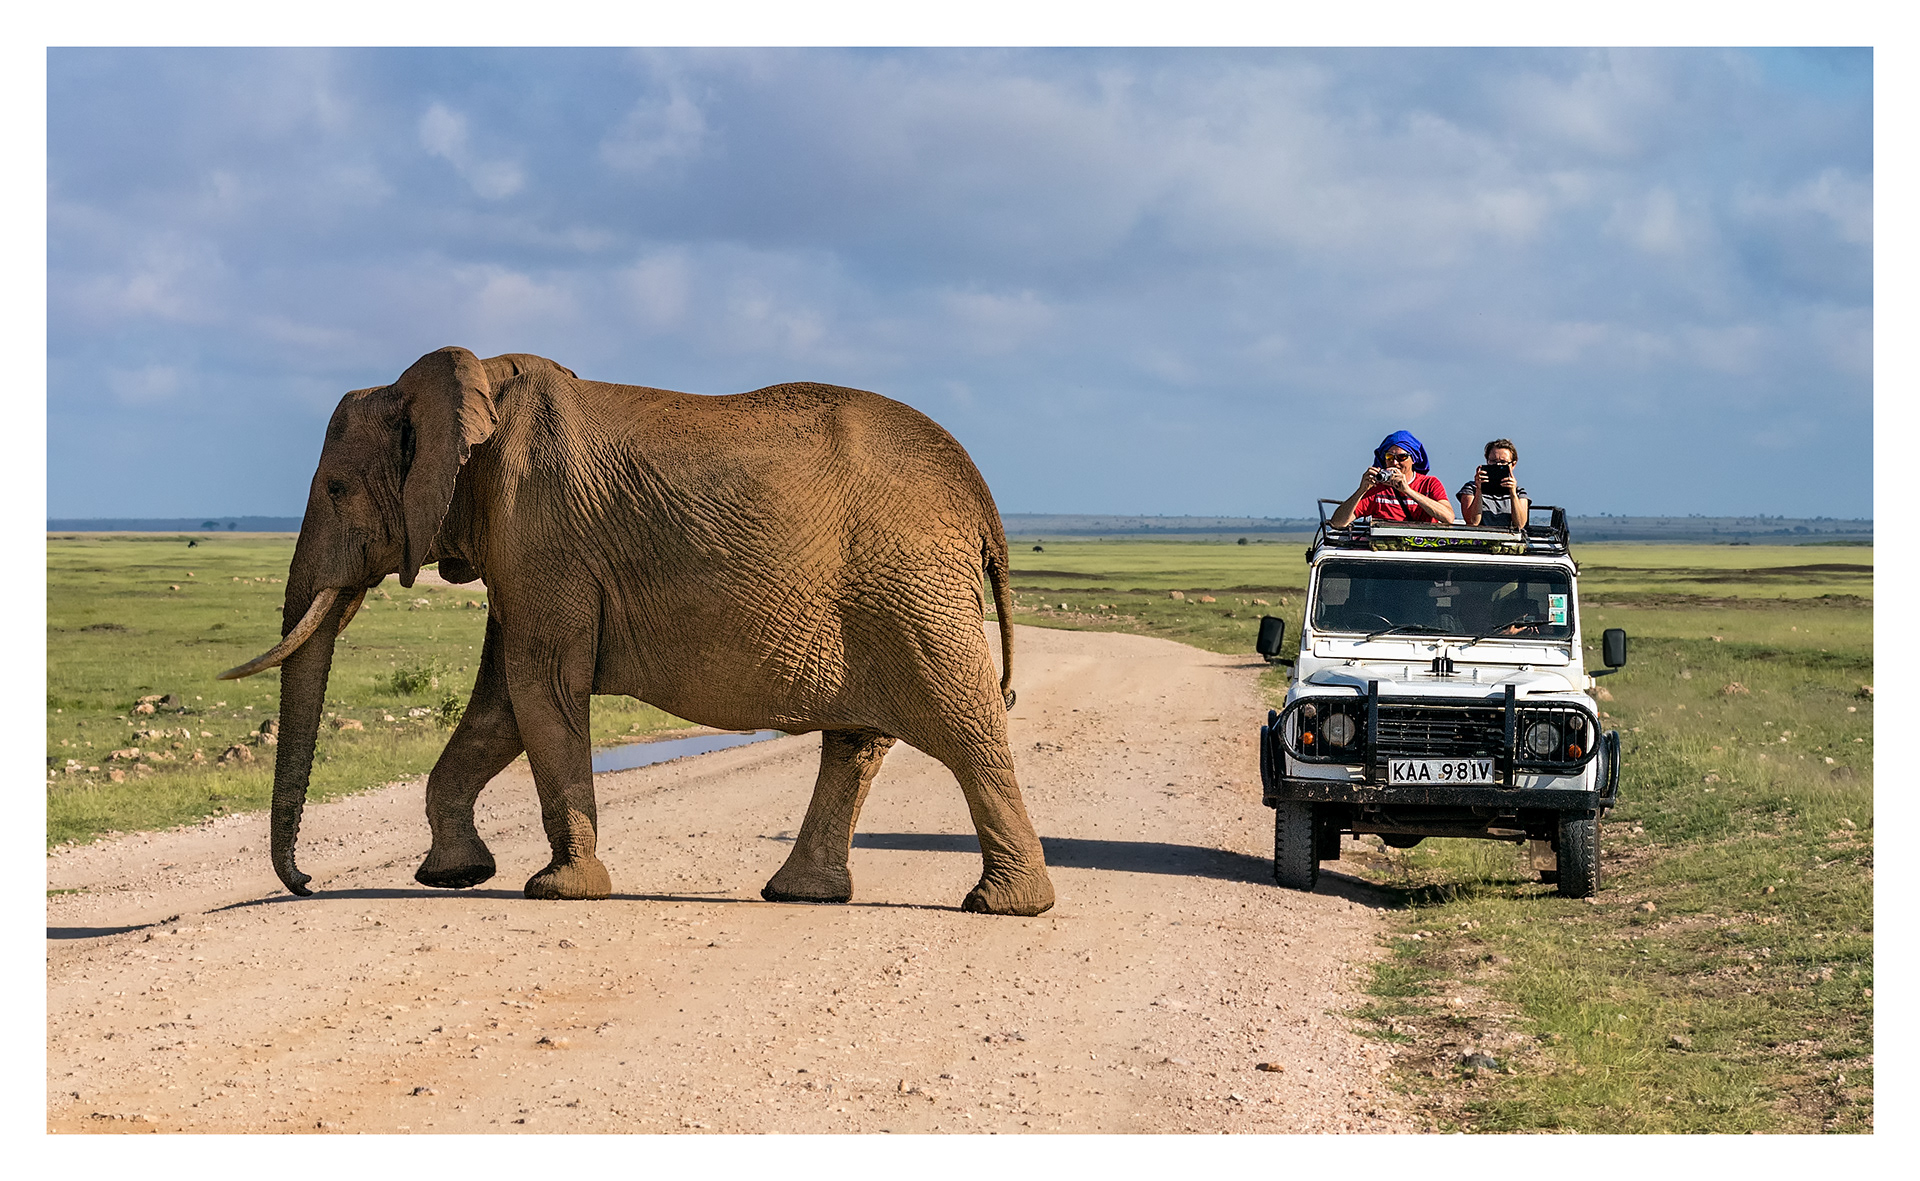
x=1497 y=474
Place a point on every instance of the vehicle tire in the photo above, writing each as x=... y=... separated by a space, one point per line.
x=1296 y=862
x=1578 y=853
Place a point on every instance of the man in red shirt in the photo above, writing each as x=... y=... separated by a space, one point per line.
x=1397 y=487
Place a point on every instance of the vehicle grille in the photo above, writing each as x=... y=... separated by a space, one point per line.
x=1442 y=731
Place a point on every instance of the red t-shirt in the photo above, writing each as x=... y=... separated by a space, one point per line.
x=1387 y=503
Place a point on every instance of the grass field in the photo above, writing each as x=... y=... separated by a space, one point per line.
x=143 y=616
x=1722 y=982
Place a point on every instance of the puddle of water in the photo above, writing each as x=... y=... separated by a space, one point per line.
x=646 y=754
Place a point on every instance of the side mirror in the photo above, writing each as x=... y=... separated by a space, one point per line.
x=1273 y=632
x=1613 y=647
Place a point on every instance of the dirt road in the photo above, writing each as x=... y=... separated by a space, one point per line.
x=1142 y=1002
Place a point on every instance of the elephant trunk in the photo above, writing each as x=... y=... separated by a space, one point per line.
x=303 y=691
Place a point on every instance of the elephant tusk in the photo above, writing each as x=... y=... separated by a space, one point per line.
x=322 y=603
x=353 y=605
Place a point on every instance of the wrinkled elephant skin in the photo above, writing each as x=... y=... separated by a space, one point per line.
x=802 y=557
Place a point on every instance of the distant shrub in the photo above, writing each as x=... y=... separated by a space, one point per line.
x=414 y=678
x=451 y=710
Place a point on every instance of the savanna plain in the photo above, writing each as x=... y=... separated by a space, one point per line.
x=1722 y=980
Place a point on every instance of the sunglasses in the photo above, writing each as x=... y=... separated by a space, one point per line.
x=1396 y=456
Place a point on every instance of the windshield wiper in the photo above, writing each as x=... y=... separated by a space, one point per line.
x=1516 y=621
x=1413 y=628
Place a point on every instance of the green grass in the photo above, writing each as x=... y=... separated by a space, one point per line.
x=119 y=630
x=1126 y=586
x=1723 y=982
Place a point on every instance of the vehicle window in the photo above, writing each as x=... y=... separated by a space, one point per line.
x=1440 y=598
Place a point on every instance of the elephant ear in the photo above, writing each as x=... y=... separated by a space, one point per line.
x=449 y=408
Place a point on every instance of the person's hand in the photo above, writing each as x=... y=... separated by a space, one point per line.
x=1480 y=479
x=1508 y=485
x=1397 y=478
x=1369 y=478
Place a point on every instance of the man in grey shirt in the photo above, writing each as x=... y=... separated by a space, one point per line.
x=1497 y=504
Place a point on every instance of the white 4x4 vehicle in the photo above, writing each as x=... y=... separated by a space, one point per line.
x=1440 y=691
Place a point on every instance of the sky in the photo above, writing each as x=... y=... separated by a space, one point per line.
x=1128 y=281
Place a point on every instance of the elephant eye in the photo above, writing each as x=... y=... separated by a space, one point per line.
x=336 y=488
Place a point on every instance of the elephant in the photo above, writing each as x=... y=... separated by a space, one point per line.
x=802 y=557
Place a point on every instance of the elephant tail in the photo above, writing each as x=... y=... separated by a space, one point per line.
x=995 y=560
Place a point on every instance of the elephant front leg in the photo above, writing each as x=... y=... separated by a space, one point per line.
x=816 y=870
x=553 y=714
x=486 y=740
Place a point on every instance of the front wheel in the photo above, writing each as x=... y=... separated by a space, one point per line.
x=1578 y=853
x=1296 y=859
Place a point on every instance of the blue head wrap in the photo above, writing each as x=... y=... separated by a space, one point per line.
x=1405 y=442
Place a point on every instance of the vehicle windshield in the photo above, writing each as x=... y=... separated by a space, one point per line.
x=1443 y=598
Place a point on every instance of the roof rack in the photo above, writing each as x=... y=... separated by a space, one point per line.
x=1550 y=538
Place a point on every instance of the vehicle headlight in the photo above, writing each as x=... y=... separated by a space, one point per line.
x=1543 y=739
x=1338 y=729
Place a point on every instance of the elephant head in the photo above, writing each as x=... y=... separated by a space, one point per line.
x=381 y=491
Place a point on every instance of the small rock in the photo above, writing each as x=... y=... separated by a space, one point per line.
x=1479 y=1061
x=1710 y=778
x=1716 y=639
x=1269 y=1067
x=1208 y=599
x=1844 y=822
x=1679 y=1041
x=1686 y=674
x=1261 y=603
x=116 y=775
x=1180 y=595
x=1768 y=890
x=236 y=754
x=1734 y=689
x=1866 y=690
x=1602 y=694
x=1177 y=1062
x=1648 y=907
x=567 y=943
x=145 y=707
x=425 y=1091
x=1592 y=901
x=349 y=724
x=1236 y=1096
x=548 y=1043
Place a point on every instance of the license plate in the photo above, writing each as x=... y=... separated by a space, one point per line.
x=1439 y=771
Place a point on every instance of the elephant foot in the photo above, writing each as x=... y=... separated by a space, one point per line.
x=579 y=880
x=458 y=878
x=818 y=885
x=1024 y=894
x=456 y=870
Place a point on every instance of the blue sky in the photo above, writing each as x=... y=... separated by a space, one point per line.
x=1142 y=281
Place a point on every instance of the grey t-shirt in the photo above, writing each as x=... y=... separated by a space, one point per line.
x=1496 y=509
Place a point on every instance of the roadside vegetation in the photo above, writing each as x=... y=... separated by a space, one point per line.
x=144 y=616
x=1722 y=980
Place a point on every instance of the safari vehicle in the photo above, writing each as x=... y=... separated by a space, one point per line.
x=1440 y=691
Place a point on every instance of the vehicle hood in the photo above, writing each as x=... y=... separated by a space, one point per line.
x=1402 y=679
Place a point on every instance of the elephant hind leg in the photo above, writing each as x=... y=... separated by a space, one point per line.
x=816 y=870
x=486 y=740
x=968 y=732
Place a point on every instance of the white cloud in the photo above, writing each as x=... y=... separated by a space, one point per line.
x=149 y=385
x=656 y=131
x=443 y=133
